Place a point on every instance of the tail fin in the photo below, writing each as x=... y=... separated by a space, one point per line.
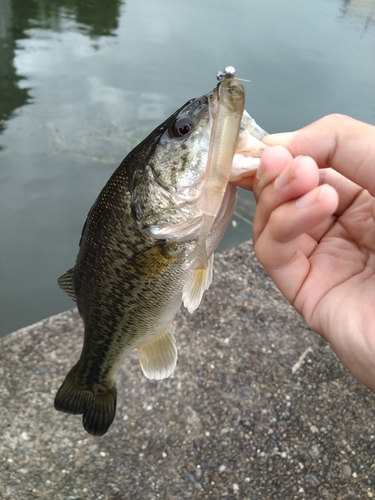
x=98 y=408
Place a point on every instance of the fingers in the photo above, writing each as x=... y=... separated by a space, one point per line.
x=281 y=178
x=284 y=245
x=337 y=141
x=347 y=190
x=293 y=213
x=245 y=183
x=294 y=218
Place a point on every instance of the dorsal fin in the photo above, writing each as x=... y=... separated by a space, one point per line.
x=199 y=280
x=66 y=283
x=158 y=357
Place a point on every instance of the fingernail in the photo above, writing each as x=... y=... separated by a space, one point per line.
x=280 y=138
x=310 y=198
x=287 y=175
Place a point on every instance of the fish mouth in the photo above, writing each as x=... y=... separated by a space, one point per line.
x=213 y=101
x=249 y=145
x=184 y=198
x=197 y=108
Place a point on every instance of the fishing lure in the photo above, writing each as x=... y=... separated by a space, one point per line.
x=225 y=131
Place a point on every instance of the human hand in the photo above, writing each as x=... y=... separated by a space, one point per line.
x=314 y=232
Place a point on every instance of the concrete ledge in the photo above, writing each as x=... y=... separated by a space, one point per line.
x=236 y=420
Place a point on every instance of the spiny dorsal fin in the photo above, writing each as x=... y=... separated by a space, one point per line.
x=199 y=280
x=66 y=283
x=158 y=357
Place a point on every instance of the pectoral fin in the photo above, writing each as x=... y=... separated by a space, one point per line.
x=199 y=280
x=66 y=283
x=158 y=357
x=151 y=263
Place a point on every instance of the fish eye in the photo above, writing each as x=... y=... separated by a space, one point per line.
x=182 y=127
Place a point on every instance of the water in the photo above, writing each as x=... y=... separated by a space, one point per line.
x=81 y=82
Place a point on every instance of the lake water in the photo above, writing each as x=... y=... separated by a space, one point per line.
x=81 y=82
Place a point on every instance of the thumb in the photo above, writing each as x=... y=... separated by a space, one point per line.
x=337 y=141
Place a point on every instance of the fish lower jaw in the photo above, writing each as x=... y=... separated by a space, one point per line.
x=243 y=166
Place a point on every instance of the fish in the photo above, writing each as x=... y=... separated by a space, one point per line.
x=132 y=272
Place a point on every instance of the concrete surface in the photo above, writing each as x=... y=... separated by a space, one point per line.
x=258 y=408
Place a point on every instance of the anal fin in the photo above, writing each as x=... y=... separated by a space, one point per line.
x=158 y=357
x=199 y=280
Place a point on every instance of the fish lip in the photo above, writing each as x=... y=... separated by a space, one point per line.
x=213 y=101
x=199 y=107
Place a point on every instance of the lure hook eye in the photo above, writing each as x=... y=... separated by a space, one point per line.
x=229 y=72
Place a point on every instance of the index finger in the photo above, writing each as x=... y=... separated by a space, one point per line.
x=338 y=141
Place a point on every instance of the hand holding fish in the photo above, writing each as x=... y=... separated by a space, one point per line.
x=314 y=232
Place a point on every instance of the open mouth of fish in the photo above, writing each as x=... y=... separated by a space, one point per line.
x=249 y=145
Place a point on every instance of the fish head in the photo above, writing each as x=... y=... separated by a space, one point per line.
x=166 y=185
x=179 y=160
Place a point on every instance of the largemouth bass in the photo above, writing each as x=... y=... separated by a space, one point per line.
x=132 y=271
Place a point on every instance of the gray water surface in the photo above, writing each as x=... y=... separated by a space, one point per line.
x=81 y=82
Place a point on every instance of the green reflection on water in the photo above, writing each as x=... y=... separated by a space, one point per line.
x=156 y=56
x=94 y=18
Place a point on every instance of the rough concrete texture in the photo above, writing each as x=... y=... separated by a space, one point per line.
x=258 y=408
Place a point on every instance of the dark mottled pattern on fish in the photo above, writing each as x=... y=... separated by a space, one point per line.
x=128 y=282
x=120 y=281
